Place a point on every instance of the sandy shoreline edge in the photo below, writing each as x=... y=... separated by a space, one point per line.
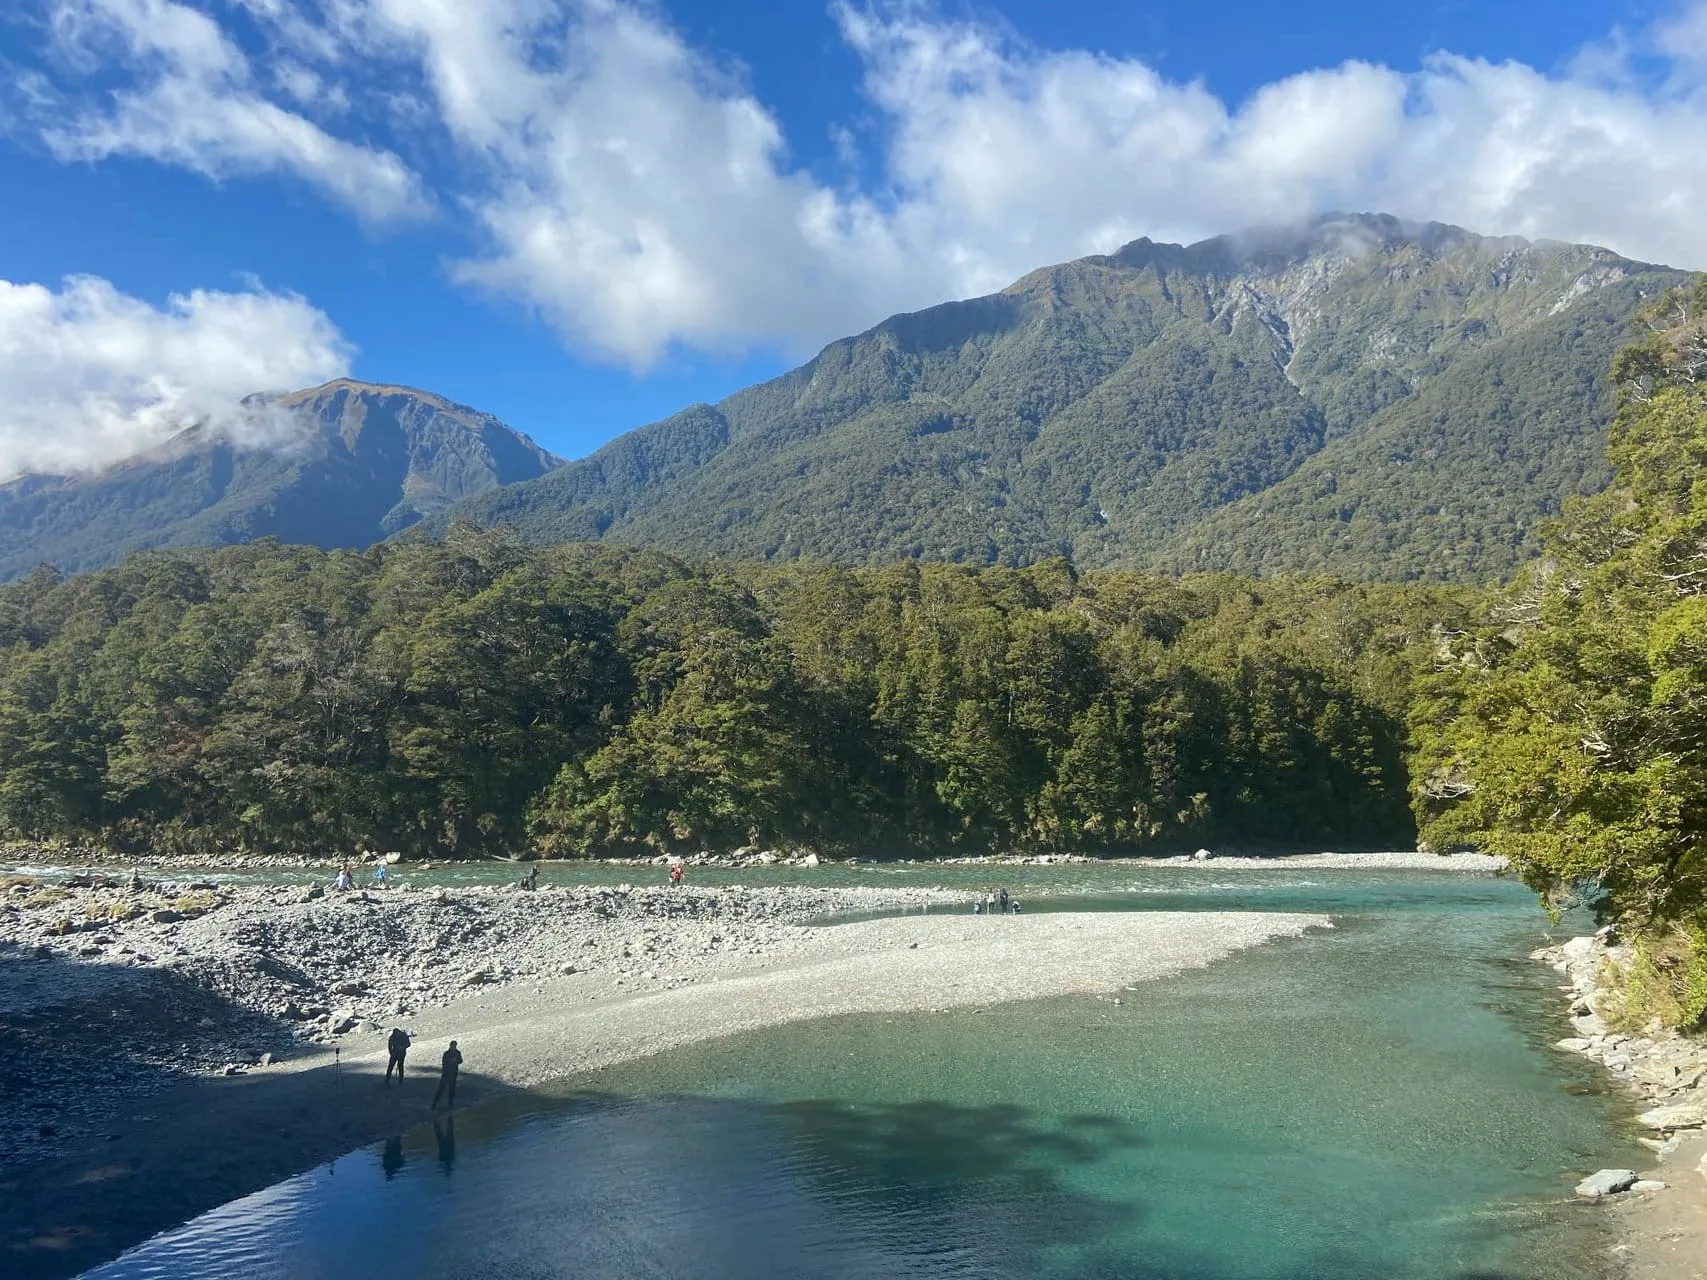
x=200 y=1144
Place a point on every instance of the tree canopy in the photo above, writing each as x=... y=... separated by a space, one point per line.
x=1570 y=732
x=476 y=696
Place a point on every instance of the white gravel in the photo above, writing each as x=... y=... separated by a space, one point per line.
x=568 y=1025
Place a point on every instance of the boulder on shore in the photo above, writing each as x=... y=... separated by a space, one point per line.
x=1687 y=1116
x=1590 y=1025
x=1608 y=1182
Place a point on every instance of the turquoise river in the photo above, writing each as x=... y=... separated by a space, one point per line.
x=1380 y=1100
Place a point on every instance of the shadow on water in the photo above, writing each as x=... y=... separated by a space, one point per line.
x=114 y=1135
x=677 y=1186
x=693 y=1186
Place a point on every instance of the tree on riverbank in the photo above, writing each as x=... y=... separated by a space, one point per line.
x=474 y=696
x=1571 y=734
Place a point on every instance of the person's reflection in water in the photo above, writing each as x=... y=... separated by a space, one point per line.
x=446 y=1134
x=392 y=1158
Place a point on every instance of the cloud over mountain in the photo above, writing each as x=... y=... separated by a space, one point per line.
x=635 y=191
x=92 y=375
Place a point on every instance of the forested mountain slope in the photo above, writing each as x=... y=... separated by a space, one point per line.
x=356 y=463
x=1363 y=395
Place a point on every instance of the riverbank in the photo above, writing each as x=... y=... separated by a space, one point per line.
x=36 y=858
x=128 y=1121
x=156 y=979
x=1663 y=1226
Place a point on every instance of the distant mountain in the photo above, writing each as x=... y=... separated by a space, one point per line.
x=363 y=463
x=1361 y=395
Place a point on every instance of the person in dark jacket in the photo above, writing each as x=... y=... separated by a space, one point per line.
x=397 y=1043
x=449 y=1064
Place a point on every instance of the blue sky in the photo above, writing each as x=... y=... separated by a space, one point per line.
x=582 y=215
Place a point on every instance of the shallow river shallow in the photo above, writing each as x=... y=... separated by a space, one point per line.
x=1378 y=1101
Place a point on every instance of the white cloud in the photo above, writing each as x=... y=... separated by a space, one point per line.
x=195 y=103
x=1012 y=150
x=1683 y=34
x=92 y=375
x=628 y=189
x=637 y=194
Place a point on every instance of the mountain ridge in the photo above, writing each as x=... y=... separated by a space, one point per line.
x=349 y=463
x=1358 y=395
x=1108 y=407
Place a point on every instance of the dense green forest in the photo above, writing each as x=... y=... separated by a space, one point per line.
x=1569 y=731
x=476 y=696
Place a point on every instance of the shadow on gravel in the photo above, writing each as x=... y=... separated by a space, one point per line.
x=114 y=1128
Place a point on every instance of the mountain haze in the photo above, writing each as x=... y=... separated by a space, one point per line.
x=1361 y=395
x=360 y=463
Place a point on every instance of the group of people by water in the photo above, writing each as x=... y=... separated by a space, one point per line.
x=450 y=1064
x=345 y=880
x=993 y=903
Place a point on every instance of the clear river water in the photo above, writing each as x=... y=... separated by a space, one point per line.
x=1376 y=1101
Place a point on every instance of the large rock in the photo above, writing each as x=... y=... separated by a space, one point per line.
x=1590 y=1025
x=1608 y=1182
x=810 y=860
x=1685 y=1116
x=476 y=977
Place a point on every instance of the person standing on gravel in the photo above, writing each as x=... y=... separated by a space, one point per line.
x=1004 y=902
x=449 y=1064
x=675 y=875
x=398 y=1045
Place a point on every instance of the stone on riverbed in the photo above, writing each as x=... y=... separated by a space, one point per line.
x=1648 y=1184
x=1687 y=1116
x=1573 y=1044
x=476 y=977
x=1608 y=1182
